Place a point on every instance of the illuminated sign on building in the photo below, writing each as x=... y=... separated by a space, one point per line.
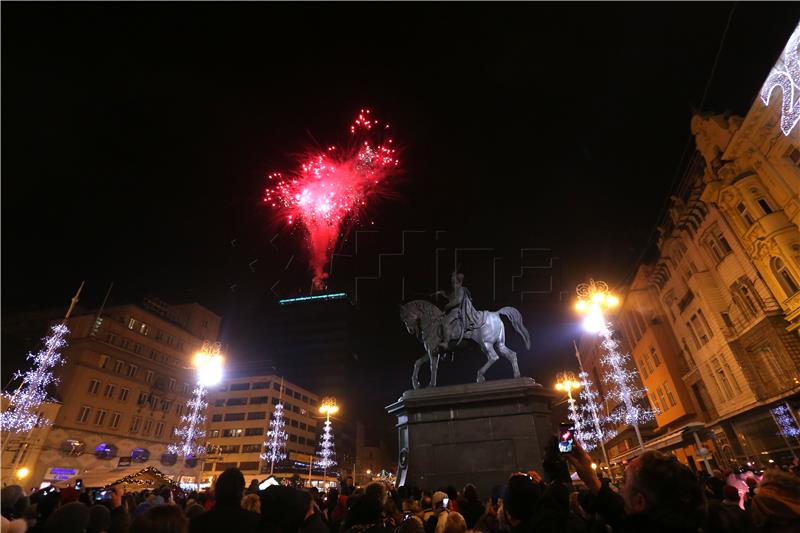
x=786 y=76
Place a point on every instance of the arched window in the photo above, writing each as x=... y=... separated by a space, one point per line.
x=784 y=277
x=72 y=447
x=169 y=459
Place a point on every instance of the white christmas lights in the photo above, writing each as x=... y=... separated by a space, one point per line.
x=22 y=414
x=596 y=430
x=326 y=452
x=786 y=75
x=786 y=422
x=191 y=431
x=276 y=438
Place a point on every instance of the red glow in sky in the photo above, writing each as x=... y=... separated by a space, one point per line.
x=331 y=188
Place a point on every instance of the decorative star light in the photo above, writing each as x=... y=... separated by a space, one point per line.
x=786 y=75
x=622 y=383
x=598 y=431
x=191 y=431
x=22 y=414
x=785 y=420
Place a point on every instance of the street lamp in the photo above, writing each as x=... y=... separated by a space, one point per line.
x=594 y=298
x=208 y=366
x=22 y=473
x=327 y=407
x=567 y=382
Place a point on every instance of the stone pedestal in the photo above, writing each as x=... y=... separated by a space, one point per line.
x=474 y=433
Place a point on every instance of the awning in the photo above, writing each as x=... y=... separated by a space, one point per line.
x=135 y=478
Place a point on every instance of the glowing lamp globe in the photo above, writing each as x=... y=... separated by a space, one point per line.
x=580 y=306
x=594 y=322
x=22 y=473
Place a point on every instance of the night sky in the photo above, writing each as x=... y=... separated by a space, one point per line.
x=136 y=140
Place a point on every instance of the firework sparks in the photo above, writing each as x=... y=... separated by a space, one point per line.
x=332 y=187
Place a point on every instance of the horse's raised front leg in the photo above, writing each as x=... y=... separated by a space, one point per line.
x=491 y=357
x=415 y=376
x=511 y=355
x=434 y=358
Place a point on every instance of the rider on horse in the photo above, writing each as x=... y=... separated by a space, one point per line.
x=459 y=311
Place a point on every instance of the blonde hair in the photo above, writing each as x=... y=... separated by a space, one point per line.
x=252 y=502
x=455 y=523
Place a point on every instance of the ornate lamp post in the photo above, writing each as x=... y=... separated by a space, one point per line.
x=594 y=298
x=567 y=382
x=208 y=364
x=327 y=407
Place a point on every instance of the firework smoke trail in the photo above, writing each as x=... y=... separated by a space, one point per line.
x=332 y=187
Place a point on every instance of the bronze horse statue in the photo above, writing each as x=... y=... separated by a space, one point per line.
x=426 y=322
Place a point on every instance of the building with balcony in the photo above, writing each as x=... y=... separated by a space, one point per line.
x=125 y=385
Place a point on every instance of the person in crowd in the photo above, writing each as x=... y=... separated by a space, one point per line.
x=196 y=509
x=452 y=496
x=282 y=510
x=253 y=487
x=366 y=513
x=520 y=501
x=162 y=518
x=312 y=520
x=752 y=483
x=492 y=520
x=775 y=508
x=715 y=485
x=455 y=523
x=227 y=512
x=251 y=502
x=470 y=505
x=70 y=518
x=99 y=519
x=659 y=494
x=331 y=501
x=727 y=516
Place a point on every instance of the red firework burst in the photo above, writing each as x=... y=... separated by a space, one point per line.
x=332 y=187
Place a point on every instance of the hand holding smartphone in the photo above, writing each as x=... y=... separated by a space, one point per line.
x=566 y=437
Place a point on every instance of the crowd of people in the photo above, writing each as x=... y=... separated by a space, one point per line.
x=658 y=494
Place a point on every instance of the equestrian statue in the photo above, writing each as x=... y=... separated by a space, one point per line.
x=442 y=332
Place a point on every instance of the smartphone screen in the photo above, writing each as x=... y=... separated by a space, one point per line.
x=78 y=484
x=565 y=438
x=446 y=501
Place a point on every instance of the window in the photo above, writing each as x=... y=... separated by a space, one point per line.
x=186 y=388
x=654 y=354
x=153 y=355
x=274 y=401
x=240 y=386
x=288 y=392
x=764 y=205
x=670 y=396
x=132 y=370
x=259 y=400
x=143 y=398
x=694 y=335
x=148 y=377
x=234 y=417
x=746 y=218
x=123 y=394
x=229 y=448
x=252 y=432
x=261 y=385
x=295 y=409
x=257 y=415
x=305 y=399
x=118 y=366
x=248 y=465
x=109 y=391
x=301 y=440
x=236 y=401
x=159 y=429
x=723 y=380
x=114 y=420
x=179 y=409
x=232 y=432
x=224 y=466
x=784 y=276
x=292 y=437
x=648 y=363
x=214 y=433
x=303 y=426
x=745 y=298
x=726 y=318
x=104 y=360
x=83 y=414
x=171 y=385
x=276 y=386
x=705 y=322
x=297 y=395
x=100 y=417
x=135 y=421
x=643 y=367
x=251 y=448
x=165 y=405
x=793 y=155
x=216 y=418
x=93 y=386
x=137 y=348
x=148 y=426
x=124 y=343
x=111 y=338
x=219 y=403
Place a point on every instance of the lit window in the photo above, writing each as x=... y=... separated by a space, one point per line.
x=670 y=396
x=664 y=406
x=123 y=394
x=104 y=360
x=100 y=417
x=93 y=386
x=654 y=354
